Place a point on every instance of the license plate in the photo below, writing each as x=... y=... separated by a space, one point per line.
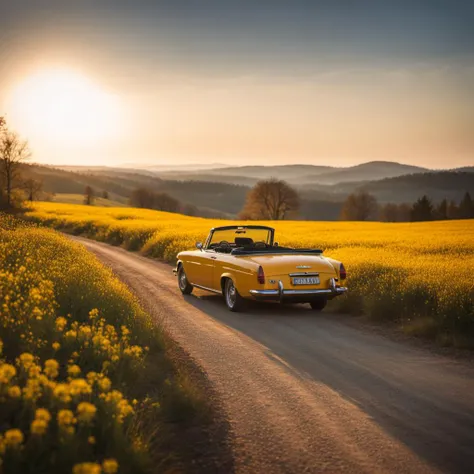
x=306 y=281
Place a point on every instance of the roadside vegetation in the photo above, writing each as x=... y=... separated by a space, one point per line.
x=86 y=384
x=417 y=275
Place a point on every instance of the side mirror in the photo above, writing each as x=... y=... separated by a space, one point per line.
x=199 y=245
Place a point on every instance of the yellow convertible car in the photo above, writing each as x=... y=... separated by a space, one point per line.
x=244 y=262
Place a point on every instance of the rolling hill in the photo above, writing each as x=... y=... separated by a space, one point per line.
x=299 y=174
x=223 y=195
x=370 y=171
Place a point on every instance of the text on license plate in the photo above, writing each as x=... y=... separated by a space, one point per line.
x=305 y=280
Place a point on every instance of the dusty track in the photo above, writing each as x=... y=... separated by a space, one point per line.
x=306 y=393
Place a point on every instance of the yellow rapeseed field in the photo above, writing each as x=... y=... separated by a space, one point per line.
x=417 y=274
x=82 y=368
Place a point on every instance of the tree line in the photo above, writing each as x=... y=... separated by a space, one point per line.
x=362 y=206
x=276 y=200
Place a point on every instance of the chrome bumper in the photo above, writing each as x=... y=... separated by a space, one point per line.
x=281 y=293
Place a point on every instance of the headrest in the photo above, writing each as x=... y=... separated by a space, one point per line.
x=243 y=241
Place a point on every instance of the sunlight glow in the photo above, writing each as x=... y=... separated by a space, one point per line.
x=61 y=106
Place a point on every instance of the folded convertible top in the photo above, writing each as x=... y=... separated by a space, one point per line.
x=275 y=251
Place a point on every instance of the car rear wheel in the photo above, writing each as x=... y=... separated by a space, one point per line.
x=183 y=283
x=233 y=299
x=318 y=305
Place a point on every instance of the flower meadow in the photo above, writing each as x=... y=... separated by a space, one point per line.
x=418 y=275
x=85 y=384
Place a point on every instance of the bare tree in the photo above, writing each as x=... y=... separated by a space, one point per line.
x=271 y=199
x=32 y=188
x=89 y=196
x=13 y=152
x=360 y=206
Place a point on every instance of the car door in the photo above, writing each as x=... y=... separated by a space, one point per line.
x=206 y=269
x=193 y=264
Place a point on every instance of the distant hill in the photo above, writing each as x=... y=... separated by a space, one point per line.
x=213 y=199
x=373 y=170
x=209 y=177
x=261 y=172
x=441 y=185
x=302 y=174
x=224 y=195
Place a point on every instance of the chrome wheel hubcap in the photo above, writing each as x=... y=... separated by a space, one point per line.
x=231 y=294
x=182 y=280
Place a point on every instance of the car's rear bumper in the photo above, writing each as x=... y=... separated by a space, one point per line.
x=306 y=294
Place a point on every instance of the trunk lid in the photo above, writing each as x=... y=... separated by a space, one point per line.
x=279 y=265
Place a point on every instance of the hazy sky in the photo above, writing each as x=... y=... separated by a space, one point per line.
x=281 y=81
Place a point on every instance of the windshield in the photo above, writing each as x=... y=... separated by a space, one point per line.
x=240 y=233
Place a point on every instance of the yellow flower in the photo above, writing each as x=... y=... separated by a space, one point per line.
x=56 y=346
x=134 y=351
x=51 y=368
x=13 y=438
x=34 y=370
x=7 y=372
x=14 y=391
x=85 y=331
x=62 y=392
x=93 y=313
x=71 y=334
x=110 y=466
x=66 y=421
x=42 y=414
x=86 y=468
x=91 y=440
x=124 y=409
x=25 y=360
x=79 y=387
x=39 y=427
x=104 y=384
x=91 y=377
x=86 y=412
x=33 y=389
x=61 y=323
x=74 y=370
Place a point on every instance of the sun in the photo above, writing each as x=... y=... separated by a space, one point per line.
x=64 y=107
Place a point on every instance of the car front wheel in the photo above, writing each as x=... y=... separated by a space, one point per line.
x=318 y=305
x=183 y=283
x=233 y=299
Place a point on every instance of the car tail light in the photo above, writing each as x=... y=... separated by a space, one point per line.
x=261 y=276
x=342 y=272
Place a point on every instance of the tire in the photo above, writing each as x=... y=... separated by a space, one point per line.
x=318 y=305
x=183 y=283
x=233 y=300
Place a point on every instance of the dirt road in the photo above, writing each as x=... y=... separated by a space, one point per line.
x=306 y=393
